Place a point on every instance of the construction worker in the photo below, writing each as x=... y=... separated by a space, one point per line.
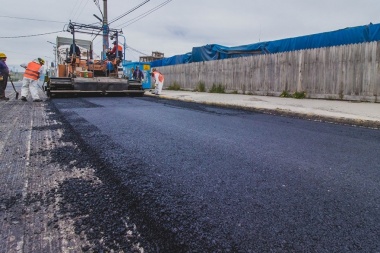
x=4 y=73
x=112 y=54
x=77 y=50
x=158 y=81
x=33 y=70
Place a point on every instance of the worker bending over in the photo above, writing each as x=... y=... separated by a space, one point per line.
x=33 y=70
x=158 y=81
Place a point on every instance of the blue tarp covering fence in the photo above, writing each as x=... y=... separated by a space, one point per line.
x=350 y=35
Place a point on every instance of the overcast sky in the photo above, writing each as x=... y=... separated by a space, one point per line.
x=175 y=27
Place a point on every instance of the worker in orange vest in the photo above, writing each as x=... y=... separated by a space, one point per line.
x=33 y=70
x=112 y=53
x=158 y=81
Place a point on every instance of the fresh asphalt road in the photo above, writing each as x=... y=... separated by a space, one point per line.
x=223 y=180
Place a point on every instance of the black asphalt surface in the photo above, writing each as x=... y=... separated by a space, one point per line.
x=196 y=178
x=123 y=174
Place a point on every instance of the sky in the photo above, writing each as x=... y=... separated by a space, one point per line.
x=29 y=28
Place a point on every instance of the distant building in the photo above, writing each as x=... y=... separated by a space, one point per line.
x=155 y=56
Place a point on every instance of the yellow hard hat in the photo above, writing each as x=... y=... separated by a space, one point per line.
x=2 y=55
x=42 y=61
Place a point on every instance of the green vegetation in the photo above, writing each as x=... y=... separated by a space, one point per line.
x=174 y=86
x=217 y=88
x=297 y=95
x=285 y=94
x=201 y=87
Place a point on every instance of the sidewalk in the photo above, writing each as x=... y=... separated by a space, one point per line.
x=346 y=112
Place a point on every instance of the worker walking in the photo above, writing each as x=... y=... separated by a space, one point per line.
x=4 y=73
x=33 y=70
x=158 y=81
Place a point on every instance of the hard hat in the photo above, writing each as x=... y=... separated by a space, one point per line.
x=2 y=55
x=42 y=61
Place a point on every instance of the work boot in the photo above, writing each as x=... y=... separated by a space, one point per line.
x=4 y=98
x=23 y=98
x=37 y=100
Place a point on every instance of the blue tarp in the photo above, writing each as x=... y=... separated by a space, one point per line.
x=350 y=35
x=177 y=59
x=217 y=52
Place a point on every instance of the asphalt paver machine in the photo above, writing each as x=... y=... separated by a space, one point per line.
x=78 y=75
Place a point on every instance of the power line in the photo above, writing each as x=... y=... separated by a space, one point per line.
x=140 y=17
x=33 y=35
x=144 y=14
x=41 y=20
x=75 y=9
x=137 y=51
x=131 y=10
x=83 y=8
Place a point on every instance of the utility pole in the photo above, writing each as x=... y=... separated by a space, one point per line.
x=55 y=49
x=105 y=29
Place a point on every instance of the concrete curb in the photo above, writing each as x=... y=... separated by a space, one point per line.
x=314 y=115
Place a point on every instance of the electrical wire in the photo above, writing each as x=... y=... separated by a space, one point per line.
x=76 y=10
x=140 y=17
x=132 y=56
x=84 y=7
x=131 y=10
x=41 y=20
x=98 y=5
x=73 y=10
x=134 y=20
x=24 y=36
x=137 y=51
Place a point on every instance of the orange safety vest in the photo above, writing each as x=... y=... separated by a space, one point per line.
x=119 y=48
x=32 y=70
x=160 y=76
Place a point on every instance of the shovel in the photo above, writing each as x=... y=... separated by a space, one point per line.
x=10 y=79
